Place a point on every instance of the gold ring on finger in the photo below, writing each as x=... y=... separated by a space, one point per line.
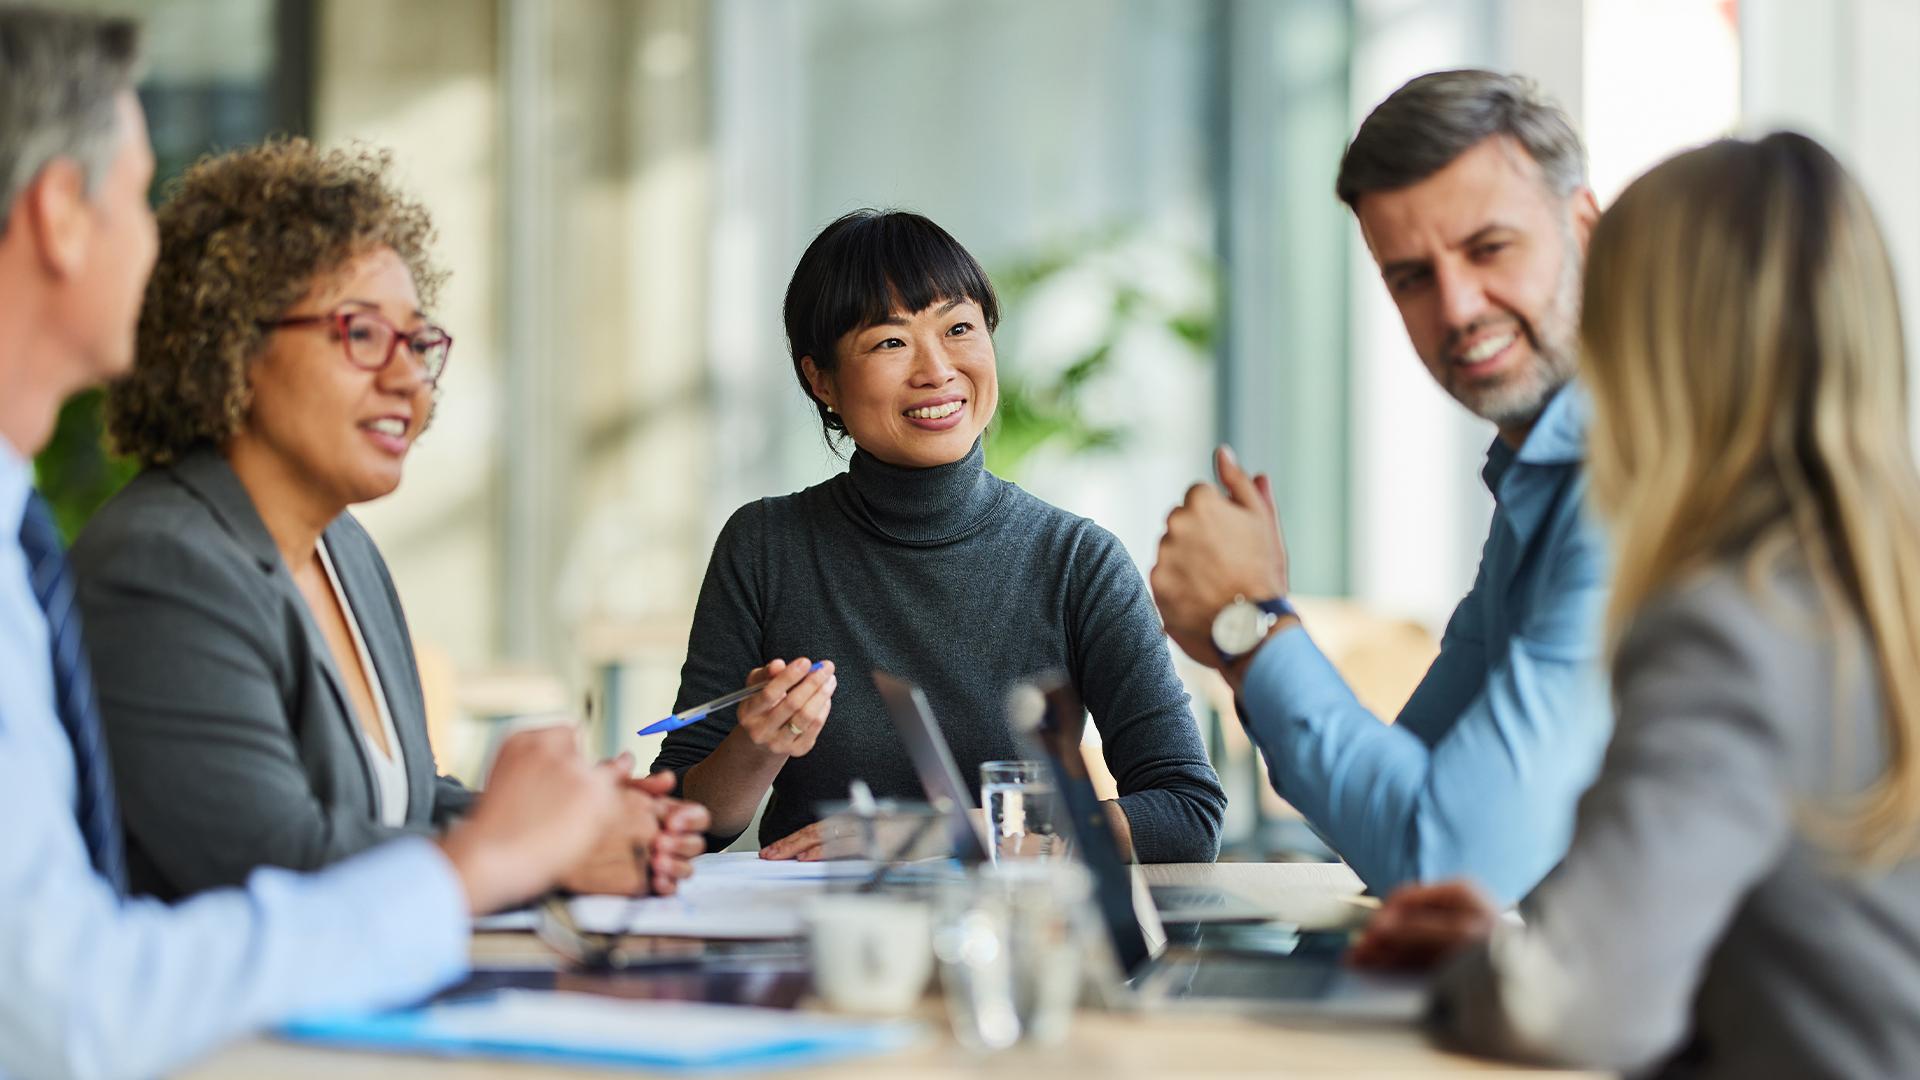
x=796 y=729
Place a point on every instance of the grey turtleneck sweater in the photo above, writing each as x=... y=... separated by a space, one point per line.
x=964 y=584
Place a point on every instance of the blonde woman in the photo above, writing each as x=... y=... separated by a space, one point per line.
x=1742 y=896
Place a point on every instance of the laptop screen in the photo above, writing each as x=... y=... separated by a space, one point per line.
x=1059 y=738
x=933 y=761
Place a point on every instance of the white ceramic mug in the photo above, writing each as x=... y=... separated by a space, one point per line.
x=871 y=953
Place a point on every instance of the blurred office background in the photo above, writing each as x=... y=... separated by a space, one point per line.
x=622 y=186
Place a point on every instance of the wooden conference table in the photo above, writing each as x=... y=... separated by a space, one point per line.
x=1101 y=1044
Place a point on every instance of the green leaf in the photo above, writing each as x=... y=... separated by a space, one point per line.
x=1038 y=412
x=74 y=473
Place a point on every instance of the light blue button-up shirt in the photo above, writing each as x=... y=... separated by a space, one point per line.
x=91 y=985
x=1479 y=775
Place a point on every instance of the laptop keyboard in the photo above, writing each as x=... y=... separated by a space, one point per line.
x=1252 y=979
x=1187 y=898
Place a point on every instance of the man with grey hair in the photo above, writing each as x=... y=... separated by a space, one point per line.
x=93 y=983
x=1470 y=191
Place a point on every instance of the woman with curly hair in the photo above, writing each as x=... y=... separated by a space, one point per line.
x=257 y=682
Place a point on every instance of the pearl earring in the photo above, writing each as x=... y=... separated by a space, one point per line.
x=829 y=408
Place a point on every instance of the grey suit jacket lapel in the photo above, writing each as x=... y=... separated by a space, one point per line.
x=206 y=473
x=379 y=618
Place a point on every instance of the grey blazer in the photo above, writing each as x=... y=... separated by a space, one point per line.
x=1695 y=927
x=231 y=735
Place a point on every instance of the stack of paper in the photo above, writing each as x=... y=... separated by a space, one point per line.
x=730 y=895
x=747 y=868
x=588 y=1029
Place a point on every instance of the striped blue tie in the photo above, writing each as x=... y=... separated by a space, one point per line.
x=73 y=692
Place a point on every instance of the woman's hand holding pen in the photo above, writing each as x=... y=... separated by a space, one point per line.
x=779 y=716
x=785 y=717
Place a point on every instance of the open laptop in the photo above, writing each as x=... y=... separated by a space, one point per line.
x=1289 y=971
x=946 y=791
x=932 y=759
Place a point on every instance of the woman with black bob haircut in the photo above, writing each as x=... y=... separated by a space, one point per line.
x=919 y=562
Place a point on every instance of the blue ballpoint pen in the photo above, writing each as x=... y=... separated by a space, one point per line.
x=699 y=712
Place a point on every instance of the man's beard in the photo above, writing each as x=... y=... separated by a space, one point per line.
x=1517 y=401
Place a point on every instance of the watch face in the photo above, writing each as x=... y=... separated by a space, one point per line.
x=1239 y=627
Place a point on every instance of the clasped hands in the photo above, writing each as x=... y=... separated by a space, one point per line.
x=651 y=825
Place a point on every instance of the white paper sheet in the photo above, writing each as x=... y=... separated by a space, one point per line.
x=746 y=869
x=731 y=895
x=767 y=914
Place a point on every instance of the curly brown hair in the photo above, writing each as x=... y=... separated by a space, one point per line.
x=243 y=236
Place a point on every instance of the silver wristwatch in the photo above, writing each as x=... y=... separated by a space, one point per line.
x=1241 y=626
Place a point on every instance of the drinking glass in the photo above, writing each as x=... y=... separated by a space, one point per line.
x=1008 y=940
x=1024 y=814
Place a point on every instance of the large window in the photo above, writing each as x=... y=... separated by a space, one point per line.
x=1071 y=146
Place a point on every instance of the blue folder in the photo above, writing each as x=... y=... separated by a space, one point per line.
x=588 y=1029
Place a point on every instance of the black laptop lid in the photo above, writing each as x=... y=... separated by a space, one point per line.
x=933 y=761
x=1058 y=736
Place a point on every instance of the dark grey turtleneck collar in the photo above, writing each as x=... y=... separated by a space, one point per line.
x=921 y=507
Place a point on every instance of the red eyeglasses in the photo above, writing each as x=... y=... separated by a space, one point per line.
x=369 y=340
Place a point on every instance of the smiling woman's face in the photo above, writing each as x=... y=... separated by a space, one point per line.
x=917 y=388
x=339 y=432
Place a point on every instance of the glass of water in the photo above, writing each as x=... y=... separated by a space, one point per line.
x=1024 y=815
x=1009 y=941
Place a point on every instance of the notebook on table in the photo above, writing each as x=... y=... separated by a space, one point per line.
x=587 y=1029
